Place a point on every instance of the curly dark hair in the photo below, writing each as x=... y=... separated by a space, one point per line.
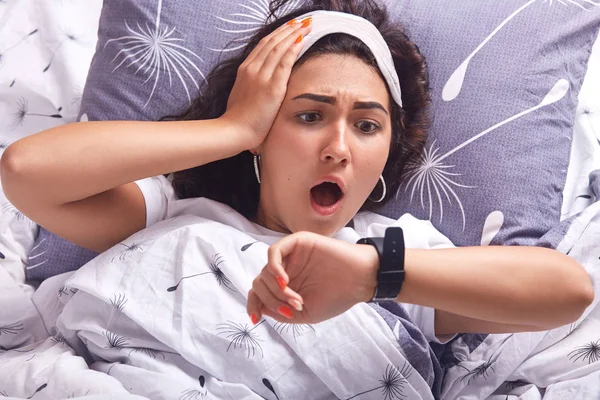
x=231 y=181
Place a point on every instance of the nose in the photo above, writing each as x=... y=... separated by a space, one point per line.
x=336 y=148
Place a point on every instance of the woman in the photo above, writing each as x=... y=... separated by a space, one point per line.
x=297 y=148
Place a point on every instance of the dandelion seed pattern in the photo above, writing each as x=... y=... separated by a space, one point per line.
x=39 y=390
x=589 y=353
x=23 y=111
x=192 y=394
x=215 y=270
x=510 y=385
x=118 y=301
x=11 y=329
x=69 y=37
x=115 y=341
x=431 y=177
x=157 y=49
x=147 y=352
x=247 y=246
x=295 y=329
x=241 y=337
x=455 y=83
x=62 y=291
x=253 y=16
x=479 y=371
x=59 y=339
x=19 y=42
x=392 y=384
x=270 y=387
x=129 y=249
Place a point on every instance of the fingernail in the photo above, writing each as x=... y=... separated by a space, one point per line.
x=281 y=282
x=298 y=40
x=254 y=319
x=306 y=22
x=286 y=312
x=296 y=304
x=292 y=22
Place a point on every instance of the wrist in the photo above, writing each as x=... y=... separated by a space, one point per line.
x=367 y=280
x=238 y=133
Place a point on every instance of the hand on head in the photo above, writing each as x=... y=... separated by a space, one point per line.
x=261 y=82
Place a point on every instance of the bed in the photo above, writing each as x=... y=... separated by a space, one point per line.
x=51 y=51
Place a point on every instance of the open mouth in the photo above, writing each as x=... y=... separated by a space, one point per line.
x=326 y=197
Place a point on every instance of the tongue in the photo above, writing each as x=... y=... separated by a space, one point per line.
x=325 y=194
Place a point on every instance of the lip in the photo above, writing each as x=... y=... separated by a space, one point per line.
x=332 y=209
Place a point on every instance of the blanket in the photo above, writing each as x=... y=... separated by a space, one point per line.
x=162 y=316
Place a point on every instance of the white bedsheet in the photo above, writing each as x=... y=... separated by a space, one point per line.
x=45 y=52
x=164 y=317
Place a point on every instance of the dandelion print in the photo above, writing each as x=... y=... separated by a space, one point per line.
x=589 y=353
x=270 y=387
x=11 y=329
x=251 y=17
x=23 y=112
x=392 y=383
x=432 y=178
x=115 y=341
x=118 y=301
x=129 y=248
x=13 y=46
x=155 y=50
x=295 y=329
x=215 y=270
x=38 y=390
x=241 y=336
x=455 y=83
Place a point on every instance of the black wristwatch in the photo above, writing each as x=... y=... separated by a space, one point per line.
x=391 y=263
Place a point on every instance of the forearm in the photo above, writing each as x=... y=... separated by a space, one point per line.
x=75 y=161
x=511 y=285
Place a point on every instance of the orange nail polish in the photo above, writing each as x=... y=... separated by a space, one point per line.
x=299 y=39
x=254 y=319
x=306 y=22
x=286 y=312
x=292 y=22
x=281 y=282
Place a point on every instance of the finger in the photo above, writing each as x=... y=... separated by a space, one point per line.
x=254 y=307
x=278 y=287
x=261 y=44
x=276 y=316
x=277 y=279
x=283 y=55
x=269 y=300
x=277 y=45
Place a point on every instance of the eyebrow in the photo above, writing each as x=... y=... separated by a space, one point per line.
x=359 y=105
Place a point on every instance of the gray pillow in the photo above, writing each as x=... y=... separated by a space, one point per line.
x=486 y=178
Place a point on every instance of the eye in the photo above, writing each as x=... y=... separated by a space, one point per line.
x=367 y=127
x=309 y=117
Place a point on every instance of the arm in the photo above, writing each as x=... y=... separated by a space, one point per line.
x=76 y=179
x=472 y=289
x=494 y=289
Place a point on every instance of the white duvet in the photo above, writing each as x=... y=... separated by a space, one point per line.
x=163 y=316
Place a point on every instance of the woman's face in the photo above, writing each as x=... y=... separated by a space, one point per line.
x=333 y=126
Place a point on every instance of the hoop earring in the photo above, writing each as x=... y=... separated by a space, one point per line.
x=256 y=170
x=384 y=191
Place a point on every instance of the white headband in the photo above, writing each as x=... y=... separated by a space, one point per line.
x=327 y=22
